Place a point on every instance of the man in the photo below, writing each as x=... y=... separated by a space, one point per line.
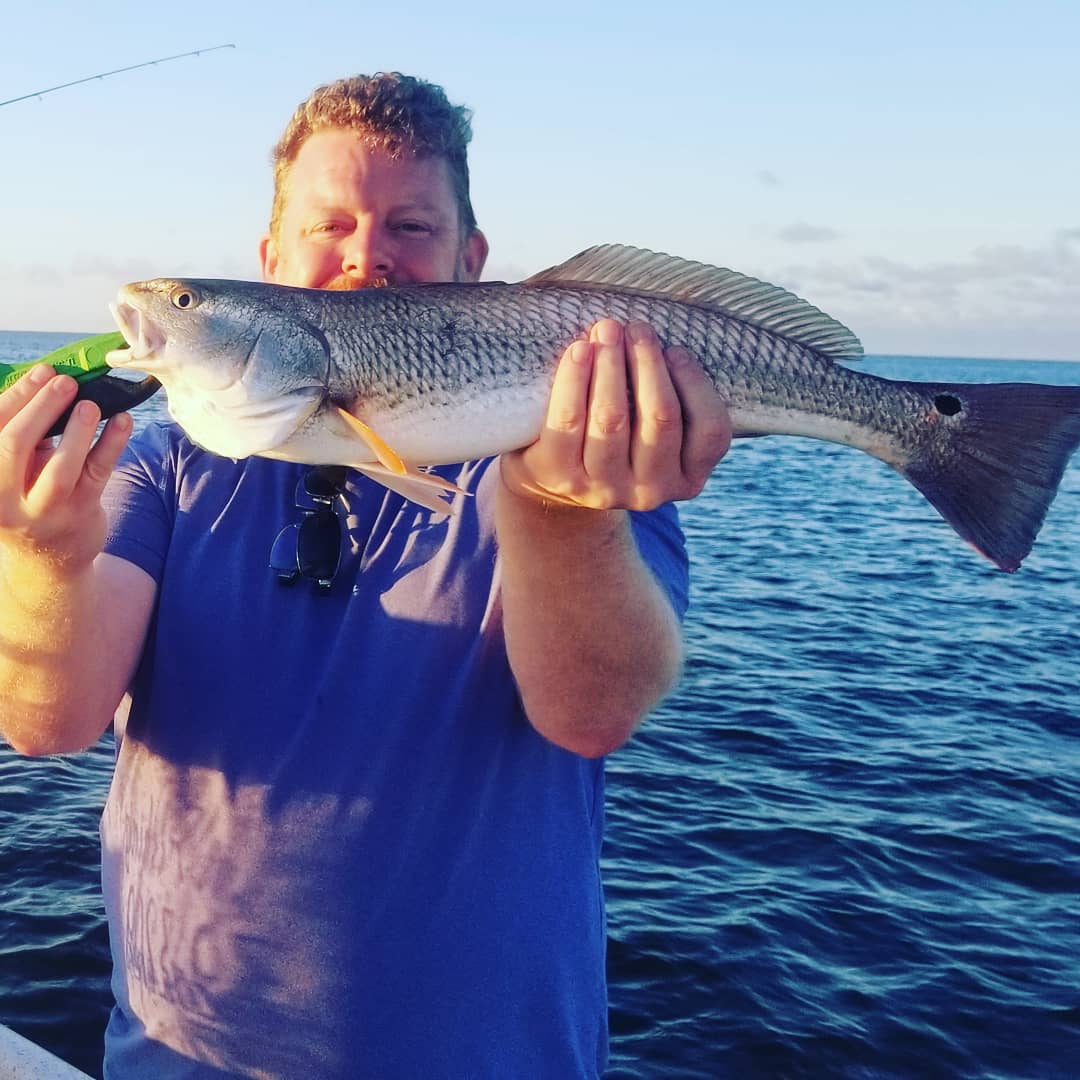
x=356 y=832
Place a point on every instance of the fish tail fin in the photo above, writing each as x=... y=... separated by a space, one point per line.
x=995 y=478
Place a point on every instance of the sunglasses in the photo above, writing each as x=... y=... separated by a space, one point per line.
x=311 y=548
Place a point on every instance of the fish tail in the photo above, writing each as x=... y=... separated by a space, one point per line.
x=993 y=478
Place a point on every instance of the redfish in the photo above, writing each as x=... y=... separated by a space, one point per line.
x=391 y=380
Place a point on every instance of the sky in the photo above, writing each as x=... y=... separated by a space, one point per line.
x=911 y=168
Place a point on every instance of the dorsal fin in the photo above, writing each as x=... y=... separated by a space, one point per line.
x=724 y=292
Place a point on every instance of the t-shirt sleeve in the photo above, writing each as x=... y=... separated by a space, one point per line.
x=662 y=545
x=137 y=506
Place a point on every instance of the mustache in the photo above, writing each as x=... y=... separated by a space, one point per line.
x=346 y=283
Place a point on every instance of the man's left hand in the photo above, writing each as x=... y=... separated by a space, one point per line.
x=629 y=425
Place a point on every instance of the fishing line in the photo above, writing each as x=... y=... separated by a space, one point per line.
x=115 y=71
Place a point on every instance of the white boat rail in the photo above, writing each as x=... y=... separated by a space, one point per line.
x=20 y=1059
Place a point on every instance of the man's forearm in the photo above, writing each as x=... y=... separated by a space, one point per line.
x=44 y=656
x=72 y=621
x=591 y=637
x=69 y=644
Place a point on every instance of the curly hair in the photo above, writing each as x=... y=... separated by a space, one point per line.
x=397 y=114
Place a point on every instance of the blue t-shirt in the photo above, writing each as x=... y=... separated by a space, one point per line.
x=334 y=847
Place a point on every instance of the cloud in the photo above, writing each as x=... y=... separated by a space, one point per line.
x=506 y=271
x=117 y=272
x=802 y=233
x=1003 y=300
x=767 y=178
x=102 y=268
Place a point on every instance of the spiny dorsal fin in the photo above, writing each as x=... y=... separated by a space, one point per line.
x=725 y=292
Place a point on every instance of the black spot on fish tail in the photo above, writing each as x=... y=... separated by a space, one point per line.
x=947 y=404
x=996 y=467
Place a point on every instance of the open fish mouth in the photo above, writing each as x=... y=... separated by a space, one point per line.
x=143 y=337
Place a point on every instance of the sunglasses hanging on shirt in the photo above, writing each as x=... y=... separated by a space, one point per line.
x=311 y=548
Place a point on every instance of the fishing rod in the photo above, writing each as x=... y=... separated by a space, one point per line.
x=115 y=71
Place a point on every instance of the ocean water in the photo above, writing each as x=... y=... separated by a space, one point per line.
x=849 y=846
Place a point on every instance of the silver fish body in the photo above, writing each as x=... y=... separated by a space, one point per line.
x=450 y=372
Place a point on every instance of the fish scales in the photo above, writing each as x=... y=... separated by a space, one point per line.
x=425 y=344
x=444 y=373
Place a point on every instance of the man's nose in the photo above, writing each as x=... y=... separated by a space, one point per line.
x=367 y=253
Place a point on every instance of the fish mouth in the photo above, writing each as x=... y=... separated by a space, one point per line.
x=143 y=337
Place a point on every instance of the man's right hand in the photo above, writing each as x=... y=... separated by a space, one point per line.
x=50 y=496
x=72 y=620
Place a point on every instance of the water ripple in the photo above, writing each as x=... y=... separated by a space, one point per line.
x=848 y=847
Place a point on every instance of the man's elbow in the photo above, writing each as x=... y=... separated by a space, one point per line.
x=43 y=740
x=598 y=746
x=594 y=715
x=586 y=742
x=36 y=746
x=603 y=728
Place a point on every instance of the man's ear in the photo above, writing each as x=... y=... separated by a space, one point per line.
x=268 y=257
x=475 y=255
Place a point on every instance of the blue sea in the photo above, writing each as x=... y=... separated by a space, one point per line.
x=848 y=846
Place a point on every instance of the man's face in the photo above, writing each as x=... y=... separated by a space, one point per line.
x=352 y=217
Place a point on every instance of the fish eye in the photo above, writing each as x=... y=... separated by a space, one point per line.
x=184 y=297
